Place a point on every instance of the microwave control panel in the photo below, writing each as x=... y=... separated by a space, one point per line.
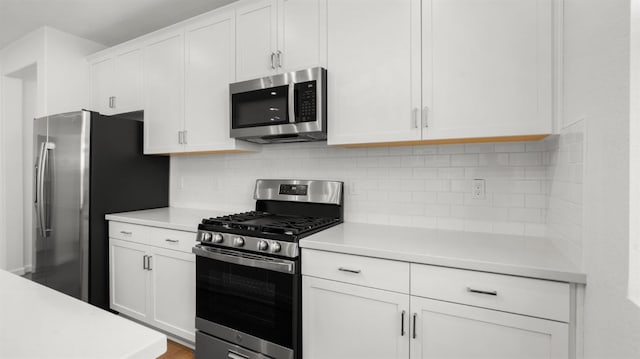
x=306 y=94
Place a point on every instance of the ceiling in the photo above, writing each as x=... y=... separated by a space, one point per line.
x=108 y=22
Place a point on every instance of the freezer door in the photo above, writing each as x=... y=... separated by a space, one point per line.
x=61 y=206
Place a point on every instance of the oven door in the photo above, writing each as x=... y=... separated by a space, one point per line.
x=248 y=299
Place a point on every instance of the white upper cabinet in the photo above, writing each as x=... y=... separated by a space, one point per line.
x=276 y=36
x=302 y=34
x=116 y=82
x=256 y=40
x=210 y=67
x=163 y=86
x=373 y=71
x=439 y=70
x=128 y=75
x=487 y=68
x=102 y=84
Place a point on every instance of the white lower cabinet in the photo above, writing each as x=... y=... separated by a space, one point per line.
x=173 y=296
x=450 y=330
x=353 y=322
x=128 y=278
x=344 y=317
x=154 y=284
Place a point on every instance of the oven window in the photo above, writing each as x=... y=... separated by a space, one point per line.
x=252 y=300
x=263 y=107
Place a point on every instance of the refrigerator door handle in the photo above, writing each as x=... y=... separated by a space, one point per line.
x=42 y=214
x=39 y=201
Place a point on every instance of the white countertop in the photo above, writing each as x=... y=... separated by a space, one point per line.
x=39 y=322
x=507 y=254
x=182 y=219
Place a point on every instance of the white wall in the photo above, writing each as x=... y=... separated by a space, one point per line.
x=634 y=158
x=597 y=74
x=61 y=85
x=29 y=102
x=565 y=190
x=67 y=71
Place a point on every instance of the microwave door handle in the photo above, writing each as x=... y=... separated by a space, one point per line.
x=292 y=106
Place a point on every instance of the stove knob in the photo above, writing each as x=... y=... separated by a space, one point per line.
x=206 y=237
x=275 y=247
x=263 y=245
x=238 y=242
x=217 y=238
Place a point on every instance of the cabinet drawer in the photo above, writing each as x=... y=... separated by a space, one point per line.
x=366 y=271
x=171 y=239
x=128 y=232
x=534 y=297
x=153 y=236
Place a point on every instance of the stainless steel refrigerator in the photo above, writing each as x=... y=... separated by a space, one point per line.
x=87 y=165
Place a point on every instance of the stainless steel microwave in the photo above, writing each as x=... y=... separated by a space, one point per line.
x=289 y=107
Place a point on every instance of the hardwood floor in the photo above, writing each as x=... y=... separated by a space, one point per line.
x=177 y=351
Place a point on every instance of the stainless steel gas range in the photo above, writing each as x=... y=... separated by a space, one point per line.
x=248 y=281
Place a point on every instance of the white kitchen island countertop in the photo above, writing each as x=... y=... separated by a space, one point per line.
x=182 y=219
x=39 y=322
x=533 y=257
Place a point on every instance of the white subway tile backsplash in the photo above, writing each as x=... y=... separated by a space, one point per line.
x=400 y=151
x=450 y=198
x=529 y=215
x=437 y=185
x=412 y=161
x=525 y=159
x=450 y=149
x=426 y=173
x=437 y=161
x=510 y=147
x=532 y=188
x=465 y=160
x=479 y=147
x=436 y=210
x=493 y=159
x=450 y=172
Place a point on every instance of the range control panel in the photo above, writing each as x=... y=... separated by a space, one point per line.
x=293 y=189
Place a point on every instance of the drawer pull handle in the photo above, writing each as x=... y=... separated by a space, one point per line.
x=487 y=292
x=402 y=324
x=172 y=240
x=126 y=233
x=354 y=271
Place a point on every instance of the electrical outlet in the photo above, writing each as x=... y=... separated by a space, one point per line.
x=478 y=189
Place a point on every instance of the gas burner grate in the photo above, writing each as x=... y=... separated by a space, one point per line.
x=265 y=222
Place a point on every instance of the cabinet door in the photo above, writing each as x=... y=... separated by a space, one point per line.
x=173 y=292
x=210 y=49
x=102 y=85
x=374 y=71
x=128 y=87
x=487 y=68
x=346 y=321
x=128 y=278
x=255 y=40
x=302 y=34
x=448 y=330
x=163 y=87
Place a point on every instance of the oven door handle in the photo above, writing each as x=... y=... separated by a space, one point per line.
x=256 y=261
